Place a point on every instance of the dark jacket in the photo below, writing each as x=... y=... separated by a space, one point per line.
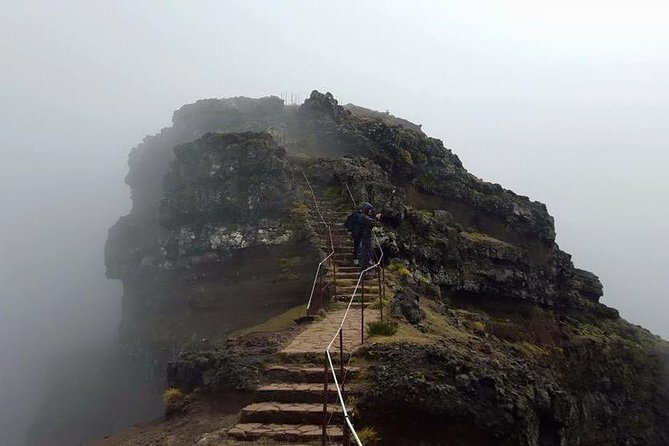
x=364 y=224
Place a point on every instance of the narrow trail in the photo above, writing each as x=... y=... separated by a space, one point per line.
x=289 y=405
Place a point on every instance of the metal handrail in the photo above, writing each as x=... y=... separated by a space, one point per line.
x=318 y=269
x=338 y=333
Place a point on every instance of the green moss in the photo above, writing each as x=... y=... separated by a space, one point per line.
x=482 y=238
x=406 y=156
x=183 y=194
x=427 y=214
x=507 y=330
x=290 y=269
x=400 y=269
x=281 y=322
x=529 y=348
x=477 y=327
x=289 y=263
x=299 y=211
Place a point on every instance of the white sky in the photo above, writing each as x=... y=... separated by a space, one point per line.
x=567 y=102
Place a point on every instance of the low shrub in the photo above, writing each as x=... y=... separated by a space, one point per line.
x=172 y=396
x=478 y=327
x=379 y=328
x=368 y=436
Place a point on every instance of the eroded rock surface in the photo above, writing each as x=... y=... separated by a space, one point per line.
x=516 y=347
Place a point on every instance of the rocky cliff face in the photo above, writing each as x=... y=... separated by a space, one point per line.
x=229 y=247
x=217 y=240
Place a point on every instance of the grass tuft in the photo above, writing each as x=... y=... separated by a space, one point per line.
x=368 y=436
x=379 y=328
x=172 y=396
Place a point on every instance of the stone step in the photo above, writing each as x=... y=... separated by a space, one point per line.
x=369 y=298
x=344 y=254
x=295 y=393
x=334 y=223
x=348 y=275
x=347 y=281
x=289 y=413
x=283 y=432
x=328 y=213
x=300 y=373
x=337 y=235
x=329 y=210
x=352 y=278
x=348 y=289
x=335 y=227
x=355 y=305
x=356 y=270
x=345 y=261
x=309 y=356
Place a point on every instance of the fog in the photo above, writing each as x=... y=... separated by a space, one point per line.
x=566 y=104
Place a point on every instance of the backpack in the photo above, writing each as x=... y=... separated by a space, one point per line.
x=350 y=222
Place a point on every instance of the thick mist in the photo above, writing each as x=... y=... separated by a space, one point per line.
x=566 y=104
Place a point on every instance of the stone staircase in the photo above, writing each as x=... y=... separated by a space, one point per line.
x=347 y=273
x=289 y=405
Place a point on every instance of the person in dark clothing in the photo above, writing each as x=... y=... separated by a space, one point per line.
x=365 y=221
x=352 y=225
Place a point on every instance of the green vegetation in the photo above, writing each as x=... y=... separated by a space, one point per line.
x=299 y=212
x=379 y=328
x=477 y=327
x=277 y=323
x=480 y=237
x=406 y=156
x=529 y=348
x=368 y=436
x=172 y=397
x=290 y=268
x=400 y=269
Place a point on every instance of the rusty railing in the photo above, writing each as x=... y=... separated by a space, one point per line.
x=318 y=278
x=347 y=427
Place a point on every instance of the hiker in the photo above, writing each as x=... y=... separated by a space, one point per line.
x=352 y=225
x=366 y=219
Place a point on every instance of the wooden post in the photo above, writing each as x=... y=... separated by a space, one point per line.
x=334 y=265
x=378 y=273
x=383 y=282
x=325 y=403
x=345 y=439
x=341 y=359
x=362 y=312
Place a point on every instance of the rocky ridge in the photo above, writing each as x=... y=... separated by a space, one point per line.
x=504 y=340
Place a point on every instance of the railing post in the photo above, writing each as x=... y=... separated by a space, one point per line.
x=341 y=359
x=334 y=265
x=383 y=282
x=378 y=274
x=325 y=403
x=344 y=431
x=362 y=311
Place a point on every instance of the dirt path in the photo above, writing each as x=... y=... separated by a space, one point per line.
x=317 y=335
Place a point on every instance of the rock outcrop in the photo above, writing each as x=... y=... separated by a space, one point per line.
x=520 y=351
x=228 y=248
